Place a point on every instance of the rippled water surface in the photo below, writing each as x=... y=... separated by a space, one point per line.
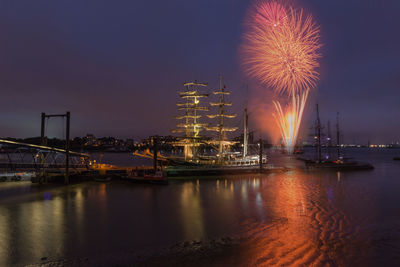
x=287 y=218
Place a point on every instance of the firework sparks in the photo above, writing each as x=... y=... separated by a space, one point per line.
x=289 y=120
x=271 y=14
x=281 y=49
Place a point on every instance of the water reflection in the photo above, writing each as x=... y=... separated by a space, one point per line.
x=31 y=230
x=39 y=224
x=4 y=235
x=290 y=218
x=101 y=195
x=191 y=211
x=79 y=215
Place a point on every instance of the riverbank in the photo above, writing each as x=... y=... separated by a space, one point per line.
x=188 y=253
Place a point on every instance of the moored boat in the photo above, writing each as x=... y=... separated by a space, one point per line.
x=341 y=163
x=157 y=177
x=102 y=179
x=338 y=165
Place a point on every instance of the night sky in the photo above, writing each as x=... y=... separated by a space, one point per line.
x=117 y=65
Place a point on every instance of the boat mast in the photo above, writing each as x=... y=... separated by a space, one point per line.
x=220 y=128
x=221 y=117
x=337 y=135
x=329 y=139
x=318 y=135
x=191 y=126
x=245 y=127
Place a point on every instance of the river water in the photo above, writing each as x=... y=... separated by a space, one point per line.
x=286 y=218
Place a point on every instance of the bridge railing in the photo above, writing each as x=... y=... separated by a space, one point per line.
x=16 y=156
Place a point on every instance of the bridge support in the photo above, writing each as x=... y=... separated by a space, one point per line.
x=42 y=137
x=67 y=144
x=67 y=149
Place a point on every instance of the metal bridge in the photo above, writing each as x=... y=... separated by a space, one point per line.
x=17 y=156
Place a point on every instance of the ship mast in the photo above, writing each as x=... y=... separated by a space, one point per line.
x=245 y=128
x=221 y=129
x=318 y=135
x=337 y=136
x=329 y=139
x=191 y=125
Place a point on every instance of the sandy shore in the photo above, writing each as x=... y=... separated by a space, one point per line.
x=190 y=253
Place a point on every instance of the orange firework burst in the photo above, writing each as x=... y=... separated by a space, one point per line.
x=270 y=14
x=281 y=48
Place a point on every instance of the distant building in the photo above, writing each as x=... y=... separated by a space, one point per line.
x=130 y=142
x=90 y=140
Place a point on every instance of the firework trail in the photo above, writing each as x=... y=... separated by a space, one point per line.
x=281 y=50
x=290 y=120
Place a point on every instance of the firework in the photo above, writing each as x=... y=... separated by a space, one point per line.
x=289 y=120
x=270 y=14
x=281 y=49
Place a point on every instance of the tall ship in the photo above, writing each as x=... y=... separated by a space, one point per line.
x=192 y=125
x=222 y=143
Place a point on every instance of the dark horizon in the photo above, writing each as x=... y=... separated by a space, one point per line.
x=117 y=67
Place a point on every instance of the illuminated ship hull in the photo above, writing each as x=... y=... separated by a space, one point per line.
x=213 y=170
x=208 y=167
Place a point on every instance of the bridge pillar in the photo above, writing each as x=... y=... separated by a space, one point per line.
x=42 y=137
x=67 y=149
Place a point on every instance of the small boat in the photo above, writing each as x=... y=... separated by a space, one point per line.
x=298 y=152
x=103 y=179
x=338 y=165
x=156 y=178
x=151 y=178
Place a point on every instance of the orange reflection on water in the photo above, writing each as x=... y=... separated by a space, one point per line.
x=288 y=240
x=102 y=190
x=191 y=211
x=307 y=222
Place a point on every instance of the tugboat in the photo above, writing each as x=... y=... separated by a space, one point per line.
x=340 y=164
